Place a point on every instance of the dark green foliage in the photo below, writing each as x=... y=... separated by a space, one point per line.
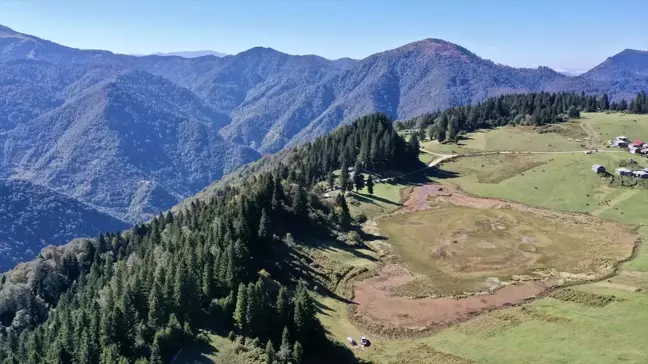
x=441 y=127
x=240 y=314
x=297 y=353
x=344 y=175
x=640 y=104
x=265 y=227
x=453 y=128
x=285 y=349
x=270 y=355
x=342 y=214
x=358 y=180
x=299 y=202
x=370 y=185
x=304 y=320
x=573 y=112
x=142 y=295
x=33 y=216
x=330 y=179
x=528 y=109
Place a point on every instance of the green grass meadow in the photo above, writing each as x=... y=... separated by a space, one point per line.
x=604 y=322
x=547 y=330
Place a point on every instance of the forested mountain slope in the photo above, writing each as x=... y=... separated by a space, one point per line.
x=33 y=216
x=132 y=136
x=233 y=263
x=131 y=146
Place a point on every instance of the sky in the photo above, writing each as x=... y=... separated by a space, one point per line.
x=565 y=35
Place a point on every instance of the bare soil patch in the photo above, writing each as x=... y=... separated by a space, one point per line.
x=464 y=244
x=507 y=273
x=377 y=304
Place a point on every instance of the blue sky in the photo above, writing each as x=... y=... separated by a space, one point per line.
x=576 y=34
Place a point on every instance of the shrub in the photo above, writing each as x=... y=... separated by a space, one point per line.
x=353 y=238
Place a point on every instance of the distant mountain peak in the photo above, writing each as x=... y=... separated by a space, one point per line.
x=627 y=62
x=261 y=50
x=191 y=54
x=434 y=47
x=6 y=30
x=632 y=51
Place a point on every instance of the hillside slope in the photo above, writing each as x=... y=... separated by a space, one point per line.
x=275 y=99
x=237 y=263
x=33 y=216
x=132 y=136
x=132 y=146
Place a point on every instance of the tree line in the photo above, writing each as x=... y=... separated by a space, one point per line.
x=517 y=109
x=218 y=264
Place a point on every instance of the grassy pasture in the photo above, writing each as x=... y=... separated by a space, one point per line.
x=512 y=138
x=459 y=249
x=608 y=126
x=604 y=322
x=555 y=181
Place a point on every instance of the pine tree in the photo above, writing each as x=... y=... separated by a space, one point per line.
x=265 y=229
x=442 y=126
x=453 y=128
x=109 y=355
x=254 y=312
x=298 y=353
x=56 y=354
x=431 y=132
x=358 y=180
x=270 y=355
x=330 y=179
x=283 y=307
x=370 y=185
x=34 y=349
x=86 y=351
x=285 y=353
x=299 y=203
x=208 y=281
x=277 y=196
x=604 y=103
x=240 y=313
x=342 y=210
x=344 y=175
x=573 y=112
x=156 y=312
x=623 y=105
x=304 y=315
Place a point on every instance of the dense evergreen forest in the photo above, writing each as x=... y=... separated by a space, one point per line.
x=518 y=109
x=140 y=296
x=370 y=144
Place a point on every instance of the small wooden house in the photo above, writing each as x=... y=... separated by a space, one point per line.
x=598 y=168
x=640 y=174
x=623 y=171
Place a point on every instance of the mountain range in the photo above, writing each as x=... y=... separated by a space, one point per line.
x=128 y=136
x=191 y=54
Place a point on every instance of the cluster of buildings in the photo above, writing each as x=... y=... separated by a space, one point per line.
x=635 y=147
x=630 y=173
x=622 y=171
